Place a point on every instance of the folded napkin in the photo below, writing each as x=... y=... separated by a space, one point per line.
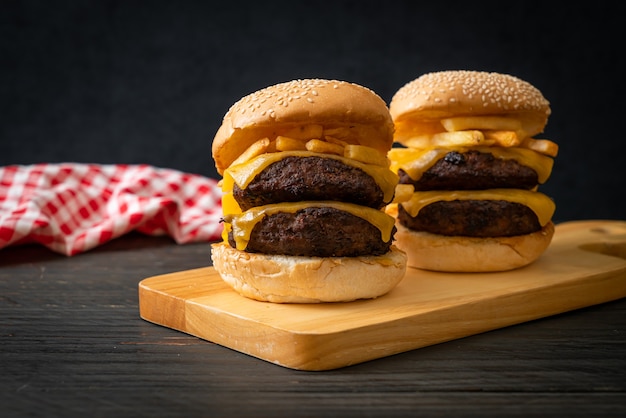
x=71 y=208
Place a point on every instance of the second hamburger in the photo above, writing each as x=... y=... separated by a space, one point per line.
x=473 y=167
x=305 y=181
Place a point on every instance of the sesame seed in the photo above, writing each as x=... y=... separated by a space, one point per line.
x=495 y=88
x=271 y=99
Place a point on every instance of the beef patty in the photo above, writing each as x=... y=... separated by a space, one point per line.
x=472 y=218
x=295 y=179
x=316 y=232
x=473 y=170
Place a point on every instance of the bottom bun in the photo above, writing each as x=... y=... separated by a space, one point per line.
x=471 y=255
x=294 y=279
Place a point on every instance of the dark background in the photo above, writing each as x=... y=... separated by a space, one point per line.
x=149 y=81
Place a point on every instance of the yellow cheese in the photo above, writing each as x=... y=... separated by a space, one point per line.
x=242 y=224
x=243 y=174
x=416 y=161
x=229 y=204
x=539 y=203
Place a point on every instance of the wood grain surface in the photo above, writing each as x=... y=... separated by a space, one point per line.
x=72 y=344
x=583 y=267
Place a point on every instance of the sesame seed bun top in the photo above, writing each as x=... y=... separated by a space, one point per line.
x=445 y=94
x=329 y=103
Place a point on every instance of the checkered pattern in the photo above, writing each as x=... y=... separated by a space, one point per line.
x=71 y=208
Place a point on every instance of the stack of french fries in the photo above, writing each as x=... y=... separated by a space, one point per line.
x=314 y=138
x=472 y=131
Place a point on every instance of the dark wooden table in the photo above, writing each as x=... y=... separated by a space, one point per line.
x=72 y=344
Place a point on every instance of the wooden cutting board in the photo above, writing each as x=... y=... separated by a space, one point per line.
x=584 y=265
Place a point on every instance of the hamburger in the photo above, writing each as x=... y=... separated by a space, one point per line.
x=470 y=167
x=305 y=180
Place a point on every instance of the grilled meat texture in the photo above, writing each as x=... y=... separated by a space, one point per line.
x=473 y=170
x=295 y=179
x=316 y=232
x=472 y=218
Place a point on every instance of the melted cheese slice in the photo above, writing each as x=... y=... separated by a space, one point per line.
x=416 y=161
x=539 y=203
x=243 y=174
x=242 y=224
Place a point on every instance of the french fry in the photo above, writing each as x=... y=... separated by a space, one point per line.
x=365 y=155
x=493 y=123
x=271 y=147
x=448 y=139
x=392 y=209
x=460 y=138
x=403 y=193
x=285 y=143
x=521 y=134
x=334 y=140
x=542 y=146
x=338 y=133
x=503 y=138
x=304 y=132
x=316 y=145
x=419 y=142
x=256 y=149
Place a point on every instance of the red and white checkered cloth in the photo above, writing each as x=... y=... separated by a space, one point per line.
x=71 y=208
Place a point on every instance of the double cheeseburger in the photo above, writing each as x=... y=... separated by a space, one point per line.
x=305 y=183
x=470 y=169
